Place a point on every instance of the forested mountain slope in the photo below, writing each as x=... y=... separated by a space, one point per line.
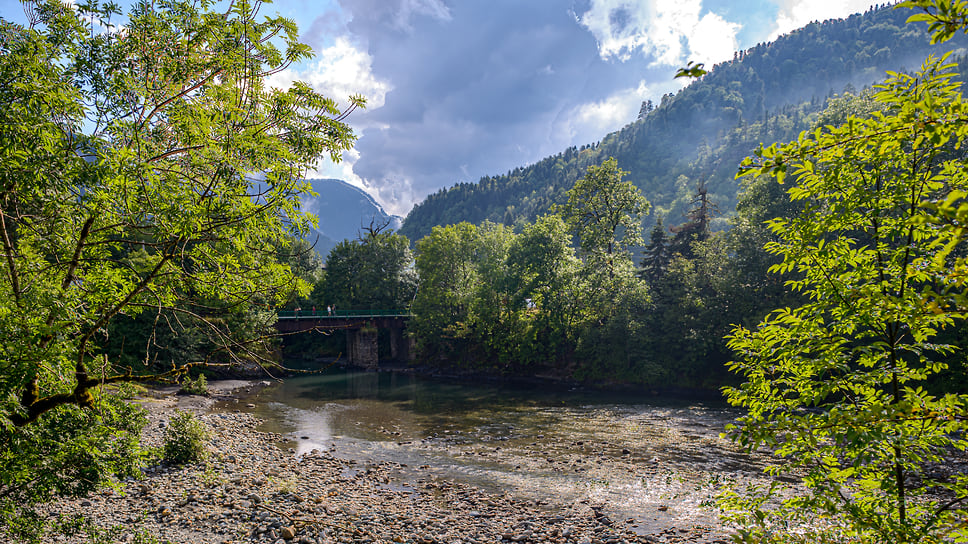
x=768 y=93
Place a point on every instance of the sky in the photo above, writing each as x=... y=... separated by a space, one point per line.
x=460 y=89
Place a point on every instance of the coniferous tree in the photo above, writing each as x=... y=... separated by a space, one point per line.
x=696 y=227
x=656 y=255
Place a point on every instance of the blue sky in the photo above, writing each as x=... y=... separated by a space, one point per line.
x=459 y=89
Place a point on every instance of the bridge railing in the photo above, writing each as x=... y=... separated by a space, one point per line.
x=340 y=314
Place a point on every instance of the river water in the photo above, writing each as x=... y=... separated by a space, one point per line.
x=656 y=460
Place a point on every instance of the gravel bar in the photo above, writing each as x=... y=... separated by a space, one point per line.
x=250 y=490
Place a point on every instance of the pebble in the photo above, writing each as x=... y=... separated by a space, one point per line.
x=252 y=492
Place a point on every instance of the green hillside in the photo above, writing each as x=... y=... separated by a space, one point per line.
x=767 y=93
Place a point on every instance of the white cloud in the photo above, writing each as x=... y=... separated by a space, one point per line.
x=327 y=169
x=713 y=39
x=671 y=31
x=396 y=198
x=340 y=70
x=794 y=14
x=590 y=121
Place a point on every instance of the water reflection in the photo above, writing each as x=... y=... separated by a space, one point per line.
x=655 y=460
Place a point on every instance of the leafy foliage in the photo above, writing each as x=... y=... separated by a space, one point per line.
x=692 y=70
x=374 y=272
x=194 y=386
x=147 y=173
x=184 y=439
x=462 y=290
x=531 y=303
x=605 y=214
x=835 y=386
x=69 y=452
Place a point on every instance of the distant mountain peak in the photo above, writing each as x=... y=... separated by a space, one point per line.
x=343 y=211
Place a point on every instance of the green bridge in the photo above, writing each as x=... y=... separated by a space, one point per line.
x=361 y=328
x=341 y=314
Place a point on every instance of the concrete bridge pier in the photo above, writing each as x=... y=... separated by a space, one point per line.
x=362 y=347
x=400 y=345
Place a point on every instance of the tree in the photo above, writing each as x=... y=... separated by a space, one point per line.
x=541 y=264
x=605 y=213
x=148 y=169
x=543 y=274
x=374 y=272
x=462 y=298
x=696 y=228
x=656 y=255
x=445 y=294
x=834 y=386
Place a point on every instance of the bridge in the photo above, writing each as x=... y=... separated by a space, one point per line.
x=362 y=331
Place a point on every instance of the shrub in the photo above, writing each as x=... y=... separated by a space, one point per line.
x=184 y=440
x=198 y=386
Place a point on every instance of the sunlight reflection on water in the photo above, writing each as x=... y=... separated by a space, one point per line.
x=653 y=460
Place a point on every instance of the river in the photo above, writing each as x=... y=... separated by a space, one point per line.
x=655 y=460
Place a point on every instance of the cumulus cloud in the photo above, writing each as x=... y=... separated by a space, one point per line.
x=599 y=117
x=713 y=39
x=460 y=89
x=339 y=71
x=794 y=14
x=669 y=32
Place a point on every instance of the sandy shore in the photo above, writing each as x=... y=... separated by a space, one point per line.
x=252 y=491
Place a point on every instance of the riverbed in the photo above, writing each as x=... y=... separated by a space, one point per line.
x=655 y=462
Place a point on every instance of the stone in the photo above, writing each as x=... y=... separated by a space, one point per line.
x=288 y=533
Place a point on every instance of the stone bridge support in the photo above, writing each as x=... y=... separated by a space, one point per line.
x=401 y=348
x=362 y=347
x=362 y=334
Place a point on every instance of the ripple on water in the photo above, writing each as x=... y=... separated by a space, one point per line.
x=656 y=462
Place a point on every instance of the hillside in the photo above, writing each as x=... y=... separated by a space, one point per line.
x=767 y=93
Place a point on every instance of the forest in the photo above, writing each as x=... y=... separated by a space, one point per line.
x=517 y=290
x=837 y=298
x=523 y=302
x=150 y=230
x=768 y=93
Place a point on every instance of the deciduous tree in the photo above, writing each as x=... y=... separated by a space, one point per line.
x=605 y=213
x=373 y=273
x=834 y=386
x=148 y=168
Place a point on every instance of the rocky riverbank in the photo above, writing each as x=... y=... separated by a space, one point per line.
x=250 y=490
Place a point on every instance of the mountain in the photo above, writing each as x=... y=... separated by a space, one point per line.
x=766 y=94
x=342 y=211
